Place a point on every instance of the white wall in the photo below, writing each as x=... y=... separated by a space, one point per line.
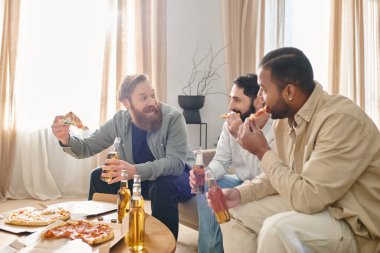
x=191 y=23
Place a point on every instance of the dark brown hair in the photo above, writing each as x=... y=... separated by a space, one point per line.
x=290 y=65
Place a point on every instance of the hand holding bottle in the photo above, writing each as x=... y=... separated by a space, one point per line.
x=114 y=168
x=231 y=197
x=199 y=174
x=106 y=175
x=192 y=180
x=216 y=198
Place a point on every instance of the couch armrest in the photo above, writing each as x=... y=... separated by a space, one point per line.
x=208 y=154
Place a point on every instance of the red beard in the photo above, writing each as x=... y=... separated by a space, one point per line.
x=149 y=119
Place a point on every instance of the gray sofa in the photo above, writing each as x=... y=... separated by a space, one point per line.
x=188 y=212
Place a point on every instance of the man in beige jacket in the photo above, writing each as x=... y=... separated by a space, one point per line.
x=320 y=191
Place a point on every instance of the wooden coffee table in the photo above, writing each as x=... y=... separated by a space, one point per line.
x=158 y=237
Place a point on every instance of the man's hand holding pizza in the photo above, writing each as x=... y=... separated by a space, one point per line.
x=251 y=138
x=61 y=131
x=233 y=123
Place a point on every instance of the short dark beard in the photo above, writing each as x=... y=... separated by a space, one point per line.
x=280 y=110
x=144 y=123
x=245 y=115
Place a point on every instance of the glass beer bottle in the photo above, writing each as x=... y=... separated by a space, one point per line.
x=199 y=173
x=136 y=220
x=113 y=154
x=137 y=179
x=217 y=200
x=123 y=197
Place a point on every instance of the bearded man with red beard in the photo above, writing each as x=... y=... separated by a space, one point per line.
x=153 y=145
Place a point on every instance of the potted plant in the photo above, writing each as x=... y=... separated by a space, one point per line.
x=199 y=85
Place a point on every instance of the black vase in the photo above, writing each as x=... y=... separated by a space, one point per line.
x=191 y=106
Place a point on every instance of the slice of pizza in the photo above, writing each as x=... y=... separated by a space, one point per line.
x=90 y=232
x=227 y=115
x=72 y=119
x=33 y=217
x=258 y=113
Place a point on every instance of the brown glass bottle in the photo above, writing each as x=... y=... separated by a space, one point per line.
x=217 y=201
x=199 y=173
x=113 y=154
x=123 y=197
x=136 y=220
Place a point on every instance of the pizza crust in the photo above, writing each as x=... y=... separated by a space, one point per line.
x=259 y=113
x=73 y=120
x=227 y=115
x=32 y=217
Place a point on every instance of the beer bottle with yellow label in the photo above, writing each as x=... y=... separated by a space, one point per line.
x=136 y=219
x=123 y=197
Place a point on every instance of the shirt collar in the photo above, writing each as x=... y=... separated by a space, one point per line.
x=307 y=110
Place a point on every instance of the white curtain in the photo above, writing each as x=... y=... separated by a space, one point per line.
x=59 y=69
x=251 y=28
x=355 y=53
x=43 y=171
x=9 y=21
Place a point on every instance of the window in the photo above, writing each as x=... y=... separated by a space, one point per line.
x=60 y=59
x=307 y=28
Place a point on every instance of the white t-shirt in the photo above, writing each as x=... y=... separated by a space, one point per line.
x=230 y=155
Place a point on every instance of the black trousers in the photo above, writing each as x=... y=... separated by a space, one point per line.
x=164 y=193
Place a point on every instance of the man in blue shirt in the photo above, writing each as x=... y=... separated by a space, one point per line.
x=153 y=145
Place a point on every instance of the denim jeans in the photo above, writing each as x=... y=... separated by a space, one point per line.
x=210 y=238
x=165 y=192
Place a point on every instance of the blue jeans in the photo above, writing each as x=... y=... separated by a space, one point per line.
x=210 y=236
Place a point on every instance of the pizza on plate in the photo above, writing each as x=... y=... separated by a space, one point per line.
x=90 y=232
x=33 y=217
x=72 y=119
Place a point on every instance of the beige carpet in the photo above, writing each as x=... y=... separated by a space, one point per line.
x=187 y=238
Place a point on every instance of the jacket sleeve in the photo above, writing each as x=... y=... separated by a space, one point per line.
x=334 y=165
x=101 y=139
x=255 y=189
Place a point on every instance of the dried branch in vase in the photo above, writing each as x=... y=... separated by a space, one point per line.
x=199 y=83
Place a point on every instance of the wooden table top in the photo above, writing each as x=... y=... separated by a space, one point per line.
x=158 y=237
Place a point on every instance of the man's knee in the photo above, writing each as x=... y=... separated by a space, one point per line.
x=97 y=185
x=164 y=186
x=95 y=173
x=166 y=181
x=275 y=234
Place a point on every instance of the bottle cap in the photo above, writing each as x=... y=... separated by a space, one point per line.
x=199 y=160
